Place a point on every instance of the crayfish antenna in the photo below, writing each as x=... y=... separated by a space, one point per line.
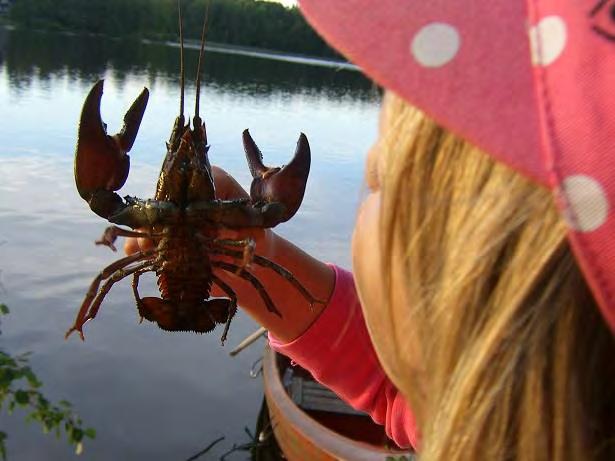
x=197 y=119
x=181 y=61
x=178 y=127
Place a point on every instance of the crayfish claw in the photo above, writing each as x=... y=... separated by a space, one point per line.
x=132 y=121
x=285 y=185
x=101 y=161
x=108 y=238
x=254 y=156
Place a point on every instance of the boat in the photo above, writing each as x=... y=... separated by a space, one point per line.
x=310 y=423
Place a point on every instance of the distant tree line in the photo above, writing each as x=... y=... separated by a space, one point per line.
x=238 y=22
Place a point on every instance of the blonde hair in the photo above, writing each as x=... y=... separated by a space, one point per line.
x=515 y=359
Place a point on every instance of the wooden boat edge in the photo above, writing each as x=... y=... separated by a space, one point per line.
x=302 y=437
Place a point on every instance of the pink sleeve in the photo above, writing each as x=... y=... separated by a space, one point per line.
x=338 y=352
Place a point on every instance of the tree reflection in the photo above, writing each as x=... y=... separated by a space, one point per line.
x=28 y=55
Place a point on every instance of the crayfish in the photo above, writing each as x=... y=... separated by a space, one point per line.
x=183 y=219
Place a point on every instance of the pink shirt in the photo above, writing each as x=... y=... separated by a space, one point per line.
x=337 y=350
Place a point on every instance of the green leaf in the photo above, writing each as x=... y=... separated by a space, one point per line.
x=51 y=417
x=77 y=435
x=22 y=397
x=6 y=377
x=2 y=447
x=43 y=403
x=32 y=378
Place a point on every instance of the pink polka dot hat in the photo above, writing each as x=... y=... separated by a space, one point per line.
x=532 y=83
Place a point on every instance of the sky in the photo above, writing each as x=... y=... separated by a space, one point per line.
x=285 y=2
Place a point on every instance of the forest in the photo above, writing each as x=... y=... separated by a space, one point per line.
x=251 y=23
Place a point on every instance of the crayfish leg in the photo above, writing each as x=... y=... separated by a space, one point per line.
x=111 y=274
x=232 y=307
x=111 y=234
x=244 y=274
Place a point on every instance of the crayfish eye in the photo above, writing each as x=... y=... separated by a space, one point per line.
x=602 y=17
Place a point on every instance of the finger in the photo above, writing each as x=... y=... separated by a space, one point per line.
x=145 y=243
x=226 y=186
x=131 y=246
x=255 y=233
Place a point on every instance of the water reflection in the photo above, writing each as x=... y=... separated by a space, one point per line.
x=150 y=395
x=47 y=55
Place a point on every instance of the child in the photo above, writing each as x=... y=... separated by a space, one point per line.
x=479 y=333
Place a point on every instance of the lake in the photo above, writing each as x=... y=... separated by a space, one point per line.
x=148 y=393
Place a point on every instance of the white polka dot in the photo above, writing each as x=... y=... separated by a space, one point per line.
x=435 y=44
x=587 y=203
x=547 y=40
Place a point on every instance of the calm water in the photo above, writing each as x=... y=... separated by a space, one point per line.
x=150 y=394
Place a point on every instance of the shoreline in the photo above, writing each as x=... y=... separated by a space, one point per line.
x=215 y=47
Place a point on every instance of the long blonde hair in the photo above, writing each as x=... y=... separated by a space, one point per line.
x=515 y=360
